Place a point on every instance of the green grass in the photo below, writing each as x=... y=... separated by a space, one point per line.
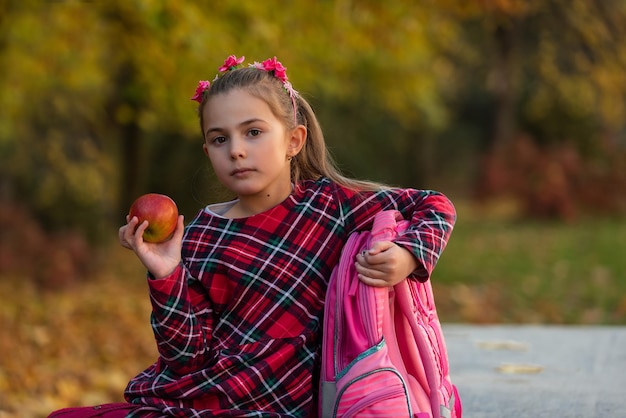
x=495 y=270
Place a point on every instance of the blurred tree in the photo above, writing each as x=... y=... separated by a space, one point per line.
x=96 y=105
x=377 y=78
x=581 y=65
x=51 y=113
x=554 y=67
x=547 y=75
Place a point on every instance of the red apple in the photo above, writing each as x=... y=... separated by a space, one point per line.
x=161 y=213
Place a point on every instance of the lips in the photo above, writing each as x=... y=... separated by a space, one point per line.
x=241 y=172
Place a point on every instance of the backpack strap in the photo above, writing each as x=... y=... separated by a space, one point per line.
x=387 y=224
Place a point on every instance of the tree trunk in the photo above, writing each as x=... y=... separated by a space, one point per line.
x=503 y=83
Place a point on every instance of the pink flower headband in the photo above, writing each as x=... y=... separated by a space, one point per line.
x=271 y=65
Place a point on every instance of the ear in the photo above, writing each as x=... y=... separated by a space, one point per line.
x=297 y=140
x=205 y=149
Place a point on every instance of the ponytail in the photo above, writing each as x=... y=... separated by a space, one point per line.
x=315 y=161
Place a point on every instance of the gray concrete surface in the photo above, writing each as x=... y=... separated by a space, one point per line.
x=538 y=371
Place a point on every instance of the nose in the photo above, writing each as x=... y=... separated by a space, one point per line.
x=237 y=149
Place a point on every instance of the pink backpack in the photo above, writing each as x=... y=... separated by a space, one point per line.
x=383 y=352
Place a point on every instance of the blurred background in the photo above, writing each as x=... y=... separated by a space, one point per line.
x=514 y=109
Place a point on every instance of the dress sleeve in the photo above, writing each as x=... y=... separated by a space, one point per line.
x=431 y=223
x=182 y=326
x=431 y=214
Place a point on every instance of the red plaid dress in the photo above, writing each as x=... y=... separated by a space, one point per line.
x=238 y=323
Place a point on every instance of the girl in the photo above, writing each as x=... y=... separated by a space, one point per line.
x=238 y=293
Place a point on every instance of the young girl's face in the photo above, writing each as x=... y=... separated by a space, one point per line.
x=249 y=148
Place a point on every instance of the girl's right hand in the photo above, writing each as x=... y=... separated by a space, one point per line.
x=160 y=259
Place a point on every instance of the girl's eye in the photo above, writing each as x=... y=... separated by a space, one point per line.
x=219 y=140
x=254 y=132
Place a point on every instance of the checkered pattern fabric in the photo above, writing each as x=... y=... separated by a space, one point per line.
x=238 y=323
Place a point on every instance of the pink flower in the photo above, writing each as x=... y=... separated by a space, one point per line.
x=203 y=86
x=230 y=62
x=272 y=64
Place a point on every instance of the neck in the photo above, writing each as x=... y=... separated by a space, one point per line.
x=248 y=206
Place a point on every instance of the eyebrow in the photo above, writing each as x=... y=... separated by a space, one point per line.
x=244 y=123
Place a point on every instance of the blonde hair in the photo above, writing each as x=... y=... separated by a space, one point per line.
x=314 y=160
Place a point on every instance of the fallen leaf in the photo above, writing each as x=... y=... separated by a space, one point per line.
x=519 y=369
x=503 y=345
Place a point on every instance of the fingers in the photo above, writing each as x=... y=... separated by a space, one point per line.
x=138 y=235
x=371 y=268
x=379 y=247
x=378 y=254
x=374 y=282
x=384 y=264
x=131 y=234
x=123 y=231
x=180 y=228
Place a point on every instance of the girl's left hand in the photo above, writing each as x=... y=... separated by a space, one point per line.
x=385 y=264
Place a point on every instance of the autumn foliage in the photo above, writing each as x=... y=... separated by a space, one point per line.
x=555 y=181
x=79 y=346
